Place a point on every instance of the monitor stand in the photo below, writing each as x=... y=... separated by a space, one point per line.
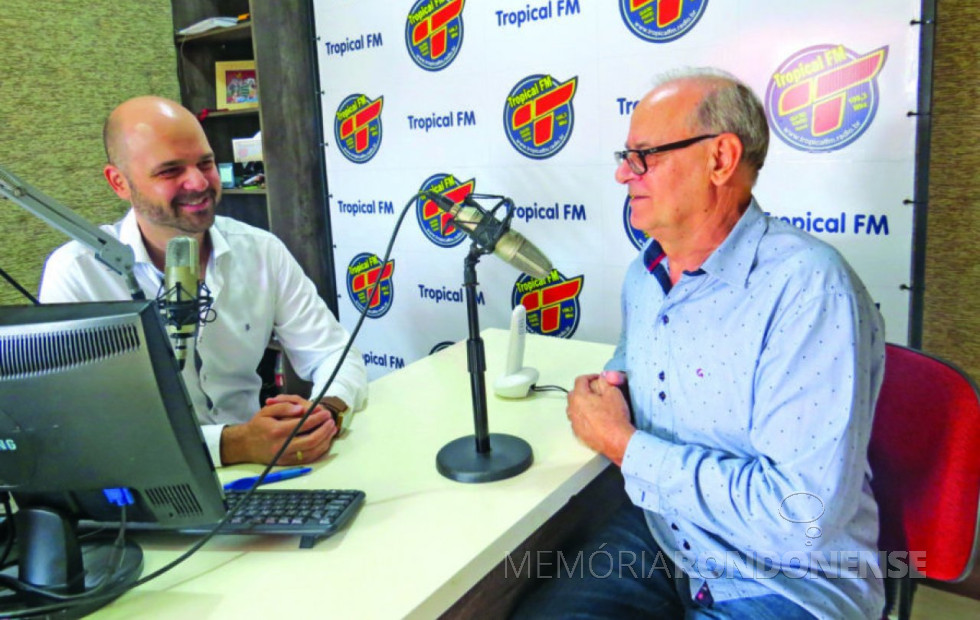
x=51 y=556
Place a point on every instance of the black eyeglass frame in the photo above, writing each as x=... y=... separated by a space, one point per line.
x=622 y=156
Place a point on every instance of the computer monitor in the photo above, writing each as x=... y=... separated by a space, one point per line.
x=91 y=399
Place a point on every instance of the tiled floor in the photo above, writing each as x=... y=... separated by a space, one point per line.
x=932 y=604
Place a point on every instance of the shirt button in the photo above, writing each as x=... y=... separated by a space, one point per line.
x=662 y=375
x=687 y=546
x=704 y=596
x=663 y=395
x=673 y=526
x=665 y=319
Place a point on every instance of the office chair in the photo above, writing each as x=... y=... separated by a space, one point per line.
x=925 y=463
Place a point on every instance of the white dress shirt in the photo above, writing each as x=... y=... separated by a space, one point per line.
x=259 y=290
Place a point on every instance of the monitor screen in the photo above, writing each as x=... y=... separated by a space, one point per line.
x=91 y=399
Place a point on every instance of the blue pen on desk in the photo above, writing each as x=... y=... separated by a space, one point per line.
x=244 y=484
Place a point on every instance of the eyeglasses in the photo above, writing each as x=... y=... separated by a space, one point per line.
x=637 y=158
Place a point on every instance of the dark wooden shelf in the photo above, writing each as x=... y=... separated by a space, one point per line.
x=280 y=39
x=238 y=32
x=227 y=113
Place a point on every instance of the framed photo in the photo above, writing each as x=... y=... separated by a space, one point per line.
x=236 y=86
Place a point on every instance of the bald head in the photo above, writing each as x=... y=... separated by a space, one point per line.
x=721 y=103
x=161 y=162
x=143 y=119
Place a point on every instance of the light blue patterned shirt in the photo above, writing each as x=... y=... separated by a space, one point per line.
x=753 y=382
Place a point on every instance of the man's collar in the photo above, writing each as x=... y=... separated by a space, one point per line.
x=129 y=233
x=653 y=255
x=219 y=245
x=732 y=261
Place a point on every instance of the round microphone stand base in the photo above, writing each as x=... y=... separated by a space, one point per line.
x=460 y=460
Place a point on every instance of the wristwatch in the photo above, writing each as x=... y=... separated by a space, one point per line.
x=337 y=408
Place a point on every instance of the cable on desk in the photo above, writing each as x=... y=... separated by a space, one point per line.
x=68 y=601
x=112 y=593
x=8 y=522
x=548 y=388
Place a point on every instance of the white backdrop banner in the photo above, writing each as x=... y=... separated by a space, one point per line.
x=530 y=99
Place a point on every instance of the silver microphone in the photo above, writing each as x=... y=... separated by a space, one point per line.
x=180 y=307
x=511 y=246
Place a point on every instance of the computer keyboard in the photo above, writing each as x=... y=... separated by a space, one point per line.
x=312 y=514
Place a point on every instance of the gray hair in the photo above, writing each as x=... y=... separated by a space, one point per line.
x=729 y=106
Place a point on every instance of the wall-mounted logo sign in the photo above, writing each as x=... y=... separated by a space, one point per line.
x=538 y=115
x=636 y=236
x=357 y=127
x=824 y=97
x=434 y=32
x=363 y=271
x=552 y=303
x=436 y=224
x=660 y=21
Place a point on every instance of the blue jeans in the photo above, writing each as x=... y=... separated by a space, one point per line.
x=648 y=587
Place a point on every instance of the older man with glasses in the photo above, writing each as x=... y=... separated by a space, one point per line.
x=754 y=356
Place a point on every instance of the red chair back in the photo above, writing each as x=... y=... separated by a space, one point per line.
x=925 y=462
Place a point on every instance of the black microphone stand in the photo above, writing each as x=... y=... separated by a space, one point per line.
x=485 y=456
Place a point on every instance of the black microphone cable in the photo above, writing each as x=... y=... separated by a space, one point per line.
x=88 y=598
x=20 y=289
x=548 y=388
x=489 y=230
x=114 y=562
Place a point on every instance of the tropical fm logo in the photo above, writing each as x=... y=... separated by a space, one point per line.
x=434 y=32
x=357 y=127
x=822 y=98
x=660 y=21
x=436 y=224
x=636 y=236
x=552 y=303
x=363 y=272
x=538 y=115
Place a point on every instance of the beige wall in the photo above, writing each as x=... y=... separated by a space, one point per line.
x=64 y=66
x=952 y=296
x=951 y=321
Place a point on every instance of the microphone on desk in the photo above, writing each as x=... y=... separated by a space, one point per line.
x=185 y=301
x=494 y=235
x=485 y=456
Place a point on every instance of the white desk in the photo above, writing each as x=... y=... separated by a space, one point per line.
x=420 y=541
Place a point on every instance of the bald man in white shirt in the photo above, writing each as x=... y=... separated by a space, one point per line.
x=160 y=161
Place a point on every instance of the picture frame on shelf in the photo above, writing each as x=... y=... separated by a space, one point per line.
x=236 y=85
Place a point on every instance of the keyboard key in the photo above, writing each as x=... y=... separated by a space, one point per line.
x=310 y=513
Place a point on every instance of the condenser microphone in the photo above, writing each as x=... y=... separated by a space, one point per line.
x=180 y=305
x=493 y=235
x=517 y=379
